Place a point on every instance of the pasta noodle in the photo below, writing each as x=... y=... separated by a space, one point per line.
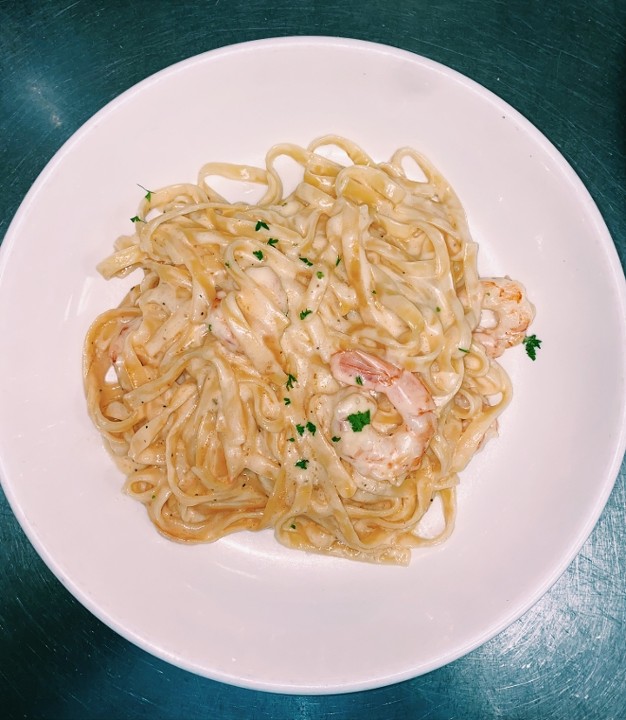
x=320 y=363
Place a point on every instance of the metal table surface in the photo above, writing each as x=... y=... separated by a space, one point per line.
x=563 y=65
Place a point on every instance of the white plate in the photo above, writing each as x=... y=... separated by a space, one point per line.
x=245 y=610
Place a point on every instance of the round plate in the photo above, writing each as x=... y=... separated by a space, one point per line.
x=246 y=610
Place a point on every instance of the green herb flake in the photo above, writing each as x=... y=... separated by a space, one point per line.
x=306 y=261
x=335 y=438
x=337 y=261
x=532 y=343
x=258 y=254
x=260 y=224
x=302 y=463
x=358 y=380
x=319 y=274
x=227 y=264
x=273 y=242
x=136 y=218
x=359 y=420
x=304 y=313
x=148 y=194
x=291 y=379
x=287 y=401
x=438 y=309
x=300 y=429
x=311 y=428
x=210 y=327
x=464 y=350
x=292 y=526
x=292 y=439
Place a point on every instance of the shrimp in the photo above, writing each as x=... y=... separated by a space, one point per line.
x=383 y=457
x=506 y=315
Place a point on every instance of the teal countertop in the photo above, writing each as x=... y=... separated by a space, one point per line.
x=563 y=66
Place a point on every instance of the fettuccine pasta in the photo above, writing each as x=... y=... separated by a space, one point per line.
x=321 y=363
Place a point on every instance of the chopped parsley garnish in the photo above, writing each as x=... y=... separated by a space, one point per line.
x=532 y=344
x=302 y=463
x=337 y=261
x=358 y=380
x=258 y=254
x=359 y=420
x=292 y=526
x=291 y=379
x=227 y=264
x=335 y=438
x=291 y=439
x=148 y=194
x=287 y=401
x=319 y=274
x=260 y=224
x=210 y=327
x=306 y=261
x=438 y=309
x=304 y=313
x=309 y=426
x=272 y=242
x=465 y=350
x=136 y=219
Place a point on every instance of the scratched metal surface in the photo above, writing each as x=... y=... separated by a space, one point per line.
x=562 y=65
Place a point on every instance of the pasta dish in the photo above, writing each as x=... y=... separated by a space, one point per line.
x=322 y=363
